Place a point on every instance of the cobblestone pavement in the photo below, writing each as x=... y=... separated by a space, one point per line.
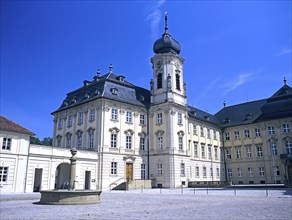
x=159 y=204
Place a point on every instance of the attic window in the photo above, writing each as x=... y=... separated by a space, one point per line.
x=142 y=99
x=74 y=100
x=194 y=113
x=86 y=83
x=121 y=78
x=114 y=91
x=86 y=96
x=65 y=102
x=226 y=121
x=96 y=92
x=207 y=117
x=248 y=116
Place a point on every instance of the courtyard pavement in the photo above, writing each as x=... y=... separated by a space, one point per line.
x=160 y=204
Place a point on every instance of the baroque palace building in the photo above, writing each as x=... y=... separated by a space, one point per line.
x=153 y=138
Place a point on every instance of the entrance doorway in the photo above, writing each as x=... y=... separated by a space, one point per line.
x=38 y=173
x=87 y=179
x=129 y=172
x=62 y=176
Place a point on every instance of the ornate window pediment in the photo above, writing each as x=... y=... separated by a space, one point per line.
x=142 y=134
x=114 y=130
x=159 y=133
x=180 y=133
x=129 y=132
x=79 y=132
x=68 y=134
x=90 y=130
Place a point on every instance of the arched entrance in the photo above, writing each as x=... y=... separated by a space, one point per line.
x=62 y=176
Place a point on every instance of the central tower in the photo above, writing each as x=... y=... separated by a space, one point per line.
x=168 y=114
x=167 y=84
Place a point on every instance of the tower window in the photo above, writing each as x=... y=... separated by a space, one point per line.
x=159 y=80
x=177 y=80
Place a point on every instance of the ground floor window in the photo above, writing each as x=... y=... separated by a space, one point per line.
x=143 y=171
x=159 y=169
x=114 y=168
x=3 y=174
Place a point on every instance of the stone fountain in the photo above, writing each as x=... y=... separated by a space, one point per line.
x=70 y=196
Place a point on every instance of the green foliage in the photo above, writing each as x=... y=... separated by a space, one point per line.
x=48 y=141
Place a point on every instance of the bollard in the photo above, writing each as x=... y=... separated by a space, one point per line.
x=181 y=188
x=207 y=191
x=194 y=190
x=267 y=193
x=160 y=190
x=141 y=189
x=234 y=189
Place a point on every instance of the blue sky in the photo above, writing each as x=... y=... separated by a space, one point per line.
x=235 y=51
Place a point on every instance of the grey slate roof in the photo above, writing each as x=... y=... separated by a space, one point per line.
x=278 y=105
x=109 y=86
x=202 y=116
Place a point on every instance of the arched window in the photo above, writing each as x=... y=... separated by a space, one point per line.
x=177 y=80
x=289 y=147
x=159 y=80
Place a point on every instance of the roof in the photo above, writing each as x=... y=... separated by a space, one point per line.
x=109 y=86
x=279 y=105
x=196 y=113
x=7 y=125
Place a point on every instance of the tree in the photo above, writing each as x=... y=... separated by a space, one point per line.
x=35 y=140
x=47 y=141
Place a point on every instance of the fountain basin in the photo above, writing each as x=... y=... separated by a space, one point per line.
x=66 y=197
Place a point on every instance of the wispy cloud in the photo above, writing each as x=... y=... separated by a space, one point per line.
x=283 y=51
x=154 y=16
x=238 y=81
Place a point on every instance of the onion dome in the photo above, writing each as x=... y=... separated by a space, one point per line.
x=166 y=44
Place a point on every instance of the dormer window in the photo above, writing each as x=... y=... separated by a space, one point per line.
x=86 y=96
x=142 y=98
x=114 y=91
x=74 y=100
x=65 y=103
x=121 y=78
x=248 y=116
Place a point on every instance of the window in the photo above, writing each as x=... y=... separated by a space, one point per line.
x=215 y=135
x=114 y=91
x=180 y=143
x=195 y=149
x=203 y=150
x=262 y=171
x=159 y=169
x=129 y=117
x=142 y=119
x=6 y=144
x=246 y=134
x=289 y=147
x=143 y=171
x=69 y=121
x=208 y=133
x=271 y=130
x=238 y=153
x=227 y=136
x=80 y=117
x=216 y=153
x=92 y=115
x=286 y=128
x=142 y=143
x=79 y=139
x=195 y=129
x=277 y=170
x=114 y=140
x=217 y=172
x=228 y=153
x=114 y=115
x=274 y=149
x=239 y=172
x=68 y=140
x=260 y=151
x=210 y=151
x=182 y=169
x=114 y=166
x=159 y=118
x=211 y=171
x=248 y=151
x=202 y=131
x=91 y=139
x=204 y=172
x=177 y=80
x=128 y=141
x=179 y=118
x=257 y=132
x=197 y=171
x=159 y=80
x=250 y=171
x=3 y=174
x=160 y=142
x=60 y=124
x=229 y=172
x=236 y=135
